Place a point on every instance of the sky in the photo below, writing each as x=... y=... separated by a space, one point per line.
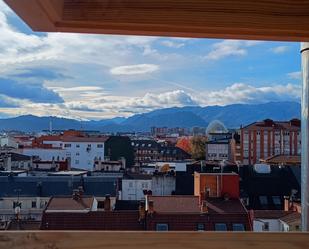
x=85 y=76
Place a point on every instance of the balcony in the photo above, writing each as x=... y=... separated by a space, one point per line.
x=162 y=240
x=247 y=19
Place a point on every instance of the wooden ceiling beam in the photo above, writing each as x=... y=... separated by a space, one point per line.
x=239 y=19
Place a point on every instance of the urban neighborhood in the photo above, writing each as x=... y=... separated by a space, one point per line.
x=168 y=179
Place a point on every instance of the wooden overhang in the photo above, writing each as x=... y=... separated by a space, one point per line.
x=286 y=20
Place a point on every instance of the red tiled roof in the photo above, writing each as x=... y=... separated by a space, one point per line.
x=293 y=124
x=269 y=214
x=291 y=218
x=68 y=203
x=221 y=206
x=175 y=204
x=99 y=220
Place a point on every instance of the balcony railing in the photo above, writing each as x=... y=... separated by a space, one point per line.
x=160 y=240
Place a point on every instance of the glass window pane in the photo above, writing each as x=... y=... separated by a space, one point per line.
x=162 y=227
x=238 y=227
x=220 y=227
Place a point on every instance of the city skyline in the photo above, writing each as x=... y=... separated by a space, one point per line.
x=101 y=76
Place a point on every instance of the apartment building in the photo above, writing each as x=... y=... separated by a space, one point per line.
x=79 y=150
x=267 y=138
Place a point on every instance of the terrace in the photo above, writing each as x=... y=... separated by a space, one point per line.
x=238 y=19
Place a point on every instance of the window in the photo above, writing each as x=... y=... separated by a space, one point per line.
x=76 y=161
x=99 y=145
x=265 y=226
x=77 y=145
x=263 y=200
x=200 y=227
x=77 y=153
x=33 y=204
x=100 y=204
x=220 y=227
x=162 y=227
x=238 y=227
x=130 y=184
x=67 y=145
x=276 y=200
x=16 y=204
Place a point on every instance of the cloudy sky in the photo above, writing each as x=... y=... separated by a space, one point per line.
x=102 y=76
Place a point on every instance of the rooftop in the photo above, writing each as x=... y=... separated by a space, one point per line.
x=64 y=204
x=175 y=204
x=222 y=206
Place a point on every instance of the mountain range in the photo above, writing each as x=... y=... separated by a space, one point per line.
x=233 y=116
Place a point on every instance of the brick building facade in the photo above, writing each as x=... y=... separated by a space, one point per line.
x=261 y=140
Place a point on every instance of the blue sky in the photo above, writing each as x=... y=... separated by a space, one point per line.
x=102 y=76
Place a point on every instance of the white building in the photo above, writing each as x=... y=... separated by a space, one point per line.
x=218 y=151
x=29 y=207
x=163 y=184
x=7 y=141
x=81 y=152
x=276 y=221
x=45 y=154
x=160 y=184
x=134 y=185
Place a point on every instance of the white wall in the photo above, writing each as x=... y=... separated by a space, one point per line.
x=273 y=224
x=179 y=166
x=80 y=156
x=163 y=185
x=75 y=152
x=217 y=151
x=7 y=212
x=45 y=154
x=132 y=189
x=8 y=141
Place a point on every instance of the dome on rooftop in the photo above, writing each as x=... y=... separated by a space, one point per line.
x=216 y=126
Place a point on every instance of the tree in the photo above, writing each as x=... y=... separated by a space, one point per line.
x=120 y=146
x=198 y=147
x=184 y=144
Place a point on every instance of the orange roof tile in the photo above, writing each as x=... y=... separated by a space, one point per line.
x=175 y=204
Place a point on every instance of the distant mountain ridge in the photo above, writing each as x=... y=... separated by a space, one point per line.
x=233 y=116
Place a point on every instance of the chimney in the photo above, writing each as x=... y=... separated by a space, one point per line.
x=287 y=203
x=9 y=163
x=80 y=191
x=142 y=211
x=107 y=203
x=204 y=208
x=75 y=195
x=150 y=207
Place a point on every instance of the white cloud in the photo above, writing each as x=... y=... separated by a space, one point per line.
x=244 y=93
x=295 y=75
x=166 y=99
x=280 y=49
x=227 y=48
x=172 y=44
x=95 y=103
x=134 y=69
